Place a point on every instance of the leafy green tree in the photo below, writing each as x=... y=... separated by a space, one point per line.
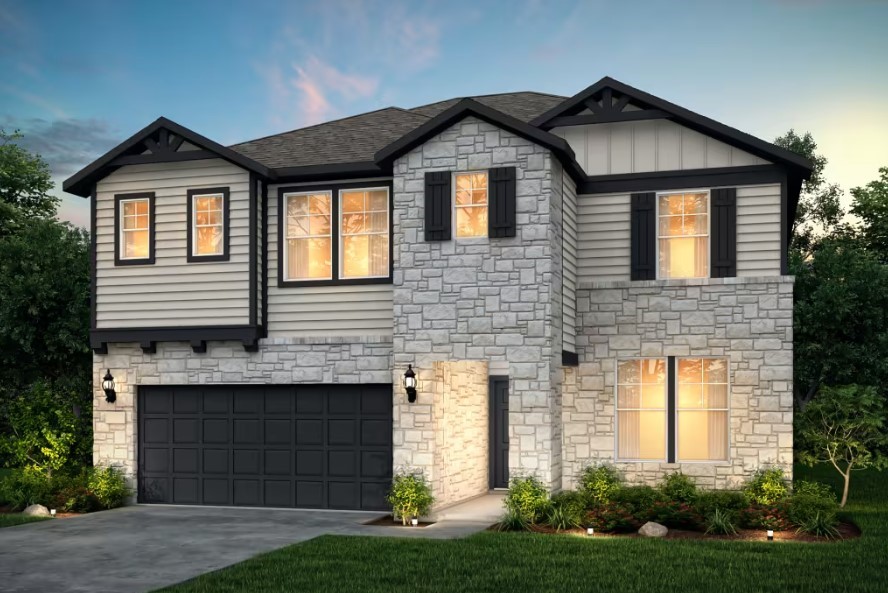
x=871 y=206
x=25 y=180
x=846 y=427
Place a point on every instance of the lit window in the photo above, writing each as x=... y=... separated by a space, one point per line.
x=702 y=399
x=471 y=204
x=135 y=229
x=364 y=233
x=308 y=254
x=208 y=231
x=684 y=235
x=641 y=409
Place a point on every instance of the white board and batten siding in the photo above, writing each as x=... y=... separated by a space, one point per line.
x=569 y=266
x=313 y=311
x=173 y=291
x=649 y=145
x=603 y=243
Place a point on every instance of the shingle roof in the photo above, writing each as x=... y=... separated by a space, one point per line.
x=357 y=138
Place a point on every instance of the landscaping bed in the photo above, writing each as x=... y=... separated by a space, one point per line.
x=391 y=521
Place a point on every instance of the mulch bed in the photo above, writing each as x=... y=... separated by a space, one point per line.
x=390 y=521
x=846 y=531
x=6 y=510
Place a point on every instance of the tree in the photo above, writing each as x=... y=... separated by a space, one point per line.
x=871 y=206
x=819 y=211
x=844 y=426
x=25 y=180
x=840 y=317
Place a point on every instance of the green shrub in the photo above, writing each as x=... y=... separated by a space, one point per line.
x=410 y=496
x=720 y=522
x=527 y=497
x=675 y=515
x=71 y=493
x=820 y=524
x=108 y=485
x=613 y=517
x=513 y=522
x=640 y=499
x=24 y=487
x=767 y=487
x=709 y=501
x=801 y=508
x=598 y=483
x=678 y=487
x=758 y=516
x=817 y=489
x=565 y=510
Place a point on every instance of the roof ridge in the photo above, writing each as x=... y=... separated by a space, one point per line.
x=489 y=95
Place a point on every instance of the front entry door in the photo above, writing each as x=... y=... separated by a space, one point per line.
x=499 y=432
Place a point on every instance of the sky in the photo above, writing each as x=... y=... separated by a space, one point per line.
x=77 y=78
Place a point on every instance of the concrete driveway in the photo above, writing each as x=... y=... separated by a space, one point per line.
x=141 y=548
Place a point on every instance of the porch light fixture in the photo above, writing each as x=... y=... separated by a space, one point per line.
x=770 y=535
x=108 y=387
x=410 y=384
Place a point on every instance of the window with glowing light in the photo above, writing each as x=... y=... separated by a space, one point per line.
x=702 y=415
x=364 y=233
x=135 y=229
x=470 y=205
x=641 y=409
x=208 y=230
x=683 y=235
x=308 y=253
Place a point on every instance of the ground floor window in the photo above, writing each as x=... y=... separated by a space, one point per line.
x=672 y=409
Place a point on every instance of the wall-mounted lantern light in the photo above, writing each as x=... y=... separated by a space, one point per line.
x=108 y=387
x=410 y=384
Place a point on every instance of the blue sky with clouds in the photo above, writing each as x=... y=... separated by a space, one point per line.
x=79 y=77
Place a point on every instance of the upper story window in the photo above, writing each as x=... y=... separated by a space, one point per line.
x=364 y=233
x=308 y=254
x=470 y=205
x=208 y=224
x=683 y=235
x=134 y=222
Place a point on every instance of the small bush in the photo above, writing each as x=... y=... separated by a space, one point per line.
x=612 y=517
x=679 y=487
x=598 y=483
x=675 y=515
x=108 y=485
x=801 y=508
x=764 y=517
x=71 y=493
x=410 y=496
x=513 y=522
x=817 y=489
x=719 y=500
x=767 y=487
x=563 y=517
x=721 y=522
x=24 y=487
x=640 y=499
x=527 y=497
x=820 y=524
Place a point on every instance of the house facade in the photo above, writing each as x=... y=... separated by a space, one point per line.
x=574 y=280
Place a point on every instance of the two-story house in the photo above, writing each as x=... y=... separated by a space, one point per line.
x=596 y=278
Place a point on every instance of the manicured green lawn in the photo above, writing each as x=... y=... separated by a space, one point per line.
x=514 y=563
x=10 y=519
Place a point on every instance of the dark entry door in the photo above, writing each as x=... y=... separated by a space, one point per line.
x=499 y=432
x=308 y=446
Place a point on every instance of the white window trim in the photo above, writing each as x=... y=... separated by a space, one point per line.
x=340 y=242
x=122 y=241
x=453 y=209
x=708 y=229
x=727 y=409
x=195 y=226
x=283 y=219
x=617 y=410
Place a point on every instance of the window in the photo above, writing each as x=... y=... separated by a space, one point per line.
x=470 y=205
x=364 y=233
x=308 y=254
x=702 y=400
x=683 y=234
x=641 y=409
x=684 y=397
x=134 y=219
x=208 y=224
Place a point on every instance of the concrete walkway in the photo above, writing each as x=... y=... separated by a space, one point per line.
x=144 y=547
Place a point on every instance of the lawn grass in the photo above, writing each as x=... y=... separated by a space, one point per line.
x=12 y=519
x=523 y=562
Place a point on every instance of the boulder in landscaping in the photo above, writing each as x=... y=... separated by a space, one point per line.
x=36 y=510
x=651 y=529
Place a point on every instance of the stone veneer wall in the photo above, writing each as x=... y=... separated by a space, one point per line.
x=479 y=299
x=279 y=360
x=748 y=320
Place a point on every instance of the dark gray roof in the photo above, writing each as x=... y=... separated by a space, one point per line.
x=358 y=138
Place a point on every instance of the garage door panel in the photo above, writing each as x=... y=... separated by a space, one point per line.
x=310 y=463
x=156 y=430
x=309 y=494
x=158 y=403
x=185 y=461
x=216 y=491
x=248 y=401
x=376 y=432
x=156 y=460
x=341 y=463
x=342 y=495
x=278 y=402
x=375 y=464
x=277 y=463
x=343 y=402
x=246 y=493
x=185 y=491
x=215 y=461
x=215 y=402
x=309 y=403
x=155 y=489
x=310 y=432
x=278 y=432
x=373 y=496
x=246 y=431
x=185 y=430
x=376 y=403
x=341 y=432
x=186 y=403
x=278 y=493
x=246 y=461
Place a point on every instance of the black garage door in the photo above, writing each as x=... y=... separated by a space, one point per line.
x=308 y=446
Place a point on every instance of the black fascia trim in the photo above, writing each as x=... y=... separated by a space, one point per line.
x=145 y=261
x=334 y=189
x=226 y=224
x=569 y=359
x=100 y=338
x=93 y=280
x=671 y=370
x=466 y=107
x=311 y=173
x=81 y=182
x=253 y=237
x=681 y=179
x=686 y=117
x=264 y=257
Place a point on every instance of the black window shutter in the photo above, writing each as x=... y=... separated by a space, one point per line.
x=644 y=236
x=501 y=208
x=437 y=206
x=723 y=230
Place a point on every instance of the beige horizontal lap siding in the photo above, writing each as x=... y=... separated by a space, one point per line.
x=649 y=145
x=603 y=237
x=569 y=266
x=352 y=310
x=172 y=291
x=758 y=230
